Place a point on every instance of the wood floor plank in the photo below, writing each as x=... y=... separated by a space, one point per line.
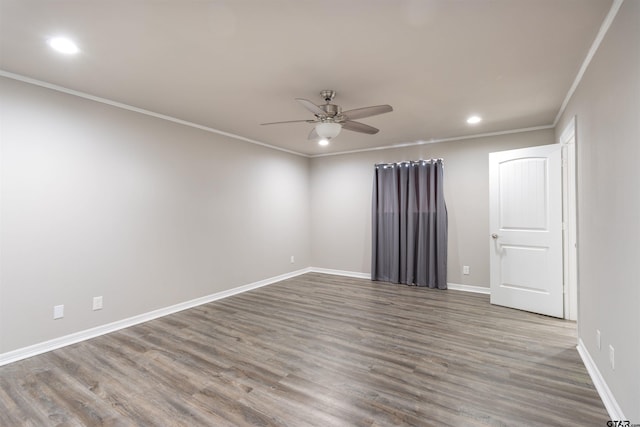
x=315 y=350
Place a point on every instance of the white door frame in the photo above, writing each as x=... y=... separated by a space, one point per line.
x=569 y=220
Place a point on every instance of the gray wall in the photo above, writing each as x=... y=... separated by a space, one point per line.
x=147 y=213
x=606 y=105
x=341 y=202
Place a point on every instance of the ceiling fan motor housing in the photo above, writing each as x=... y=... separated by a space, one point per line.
x=332 y=111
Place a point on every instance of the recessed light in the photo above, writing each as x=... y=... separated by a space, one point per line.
x=63 y=45
x=323 y=142
x=474 y=119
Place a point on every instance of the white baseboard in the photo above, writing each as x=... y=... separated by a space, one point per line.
x=609 y=401
x=453 y=286
x=469 y=288
x=43 y=347
x=340 y=272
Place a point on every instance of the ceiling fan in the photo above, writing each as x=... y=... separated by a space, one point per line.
x=331 y=119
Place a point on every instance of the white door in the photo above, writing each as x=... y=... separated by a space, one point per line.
x=525 y=216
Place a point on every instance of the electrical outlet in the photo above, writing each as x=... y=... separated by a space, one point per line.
x=612 y=358
x=97 y=303
x=58 y=311
x=465 y=269
x=293 y=259
x=598 y=342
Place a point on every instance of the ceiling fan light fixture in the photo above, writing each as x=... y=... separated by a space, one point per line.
x=329 y=118
x=328 y=130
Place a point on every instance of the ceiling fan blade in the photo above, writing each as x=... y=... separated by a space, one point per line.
x=360 y=113
x=311 y=107
x=359 y=127
x=313 y=135
x=289 y=121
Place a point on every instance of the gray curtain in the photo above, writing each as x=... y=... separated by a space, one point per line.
x=409 y=220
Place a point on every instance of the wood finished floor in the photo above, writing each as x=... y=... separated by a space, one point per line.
x=315 y=350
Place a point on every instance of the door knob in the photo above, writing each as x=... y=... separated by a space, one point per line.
x=494 y=235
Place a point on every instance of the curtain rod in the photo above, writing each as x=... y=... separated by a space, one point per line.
x=408 y=162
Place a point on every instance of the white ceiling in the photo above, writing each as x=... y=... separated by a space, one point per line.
x=231 y=65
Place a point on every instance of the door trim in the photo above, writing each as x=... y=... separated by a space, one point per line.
x=569 y=218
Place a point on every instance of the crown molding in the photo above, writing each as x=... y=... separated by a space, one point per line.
x=128 y=107
x=435 y=141
x=604 y=28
